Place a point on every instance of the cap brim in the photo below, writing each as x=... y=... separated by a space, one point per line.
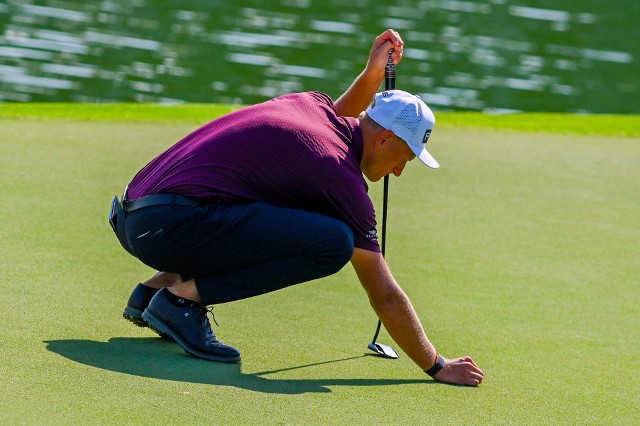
x=425 y=157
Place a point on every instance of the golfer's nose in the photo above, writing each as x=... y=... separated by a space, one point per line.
x=397 y=171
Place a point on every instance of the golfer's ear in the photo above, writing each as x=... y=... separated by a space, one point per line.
x=383 y=136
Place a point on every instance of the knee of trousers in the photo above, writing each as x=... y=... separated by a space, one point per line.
x=338 y=247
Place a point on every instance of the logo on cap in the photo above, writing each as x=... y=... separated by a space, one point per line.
x=425 y=138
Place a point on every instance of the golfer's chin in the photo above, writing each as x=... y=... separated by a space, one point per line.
x=372 y=177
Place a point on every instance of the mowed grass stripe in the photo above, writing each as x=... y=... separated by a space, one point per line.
x=587 y=124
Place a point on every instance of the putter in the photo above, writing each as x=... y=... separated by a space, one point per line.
x=389 y=84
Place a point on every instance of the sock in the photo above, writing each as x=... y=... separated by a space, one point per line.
x=147 y=292
x=179 y=301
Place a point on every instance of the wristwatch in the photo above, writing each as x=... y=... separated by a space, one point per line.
x=437 y=366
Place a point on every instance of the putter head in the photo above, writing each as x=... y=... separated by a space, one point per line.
x=383 y=350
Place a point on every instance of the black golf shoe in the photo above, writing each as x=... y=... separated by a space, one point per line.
x=189 y=326
x=138 y=302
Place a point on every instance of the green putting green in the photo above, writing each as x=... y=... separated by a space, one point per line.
x=521 y=251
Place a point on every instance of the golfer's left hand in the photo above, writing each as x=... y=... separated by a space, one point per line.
x=379 y=51
x=460 y=371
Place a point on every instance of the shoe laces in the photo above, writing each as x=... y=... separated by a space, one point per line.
x=210 y=336
x=205 y=319
x=209 y=309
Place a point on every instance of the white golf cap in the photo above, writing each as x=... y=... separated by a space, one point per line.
x=408 y=117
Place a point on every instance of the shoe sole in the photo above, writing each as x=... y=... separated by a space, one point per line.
x=161 y=328
x=135 y=316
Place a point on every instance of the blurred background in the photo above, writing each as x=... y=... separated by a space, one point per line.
x=491 y=55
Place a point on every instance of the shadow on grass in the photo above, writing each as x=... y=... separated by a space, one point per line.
x=159 y=359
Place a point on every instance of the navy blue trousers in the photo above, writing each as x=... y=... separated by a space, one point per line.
x=238 y=251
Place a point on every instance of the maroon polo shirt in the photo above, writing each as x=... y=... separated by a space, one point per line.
x=291 y=151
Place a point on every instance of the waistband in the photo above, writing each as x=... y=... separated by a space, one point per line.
x=158 y=200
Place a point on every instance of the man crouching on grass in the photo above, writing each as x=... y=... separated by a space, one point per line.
x=274 y=195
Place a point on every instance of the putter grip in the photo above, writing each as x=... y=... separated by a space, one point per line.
x=390 y=73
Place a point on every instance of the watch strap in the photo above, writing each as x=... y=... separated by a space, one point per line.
x=437 y=366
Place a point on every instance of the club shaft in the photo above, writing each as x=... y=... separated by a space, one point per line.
x=385 y=199
x=389 y=84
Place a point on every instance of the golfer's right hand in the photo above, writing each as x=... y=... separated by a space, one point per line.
x=379 y=52
x=460 y=371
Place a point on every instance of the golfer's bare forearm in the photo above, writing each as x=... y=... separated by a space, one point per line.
x=393 y=307
x=359 y=94
x=404 y=327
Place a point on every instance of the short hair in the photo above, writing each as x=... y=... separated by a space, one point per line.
x=371 y=122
